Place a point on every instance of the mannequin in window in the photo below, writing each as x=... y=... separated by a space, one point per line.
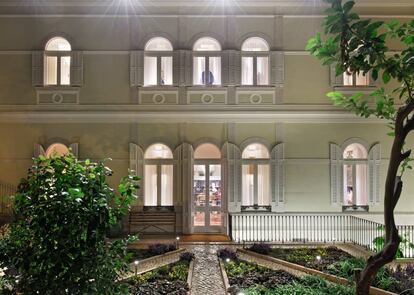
x=162 y=78
x=210 y=78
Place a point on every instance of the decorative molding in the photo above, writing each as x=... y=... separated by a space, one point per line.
x=56 y=96
x=207 y=96
x=256 y=95
x=158 y=97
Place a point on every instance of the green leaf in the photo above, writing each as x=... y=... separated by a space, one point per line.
x=386 y=77
x=348 y=6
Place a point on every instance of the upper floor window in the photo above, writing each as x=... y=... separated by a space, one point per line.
x=56 y=150
x=158 y=176
x=57 y=62
x=255 y=62
x=255 y=175
x=158 y=62
x=355 y=175
x=356 y=79
x=207 y=62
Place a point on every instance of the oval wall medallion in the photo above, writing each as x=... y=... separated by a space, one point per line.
x=158 y=98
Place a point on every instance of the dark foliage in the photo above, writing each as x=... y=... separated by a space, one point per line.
x=261 y=248
x=159 y=249
x=187 y=257
x=227 y=253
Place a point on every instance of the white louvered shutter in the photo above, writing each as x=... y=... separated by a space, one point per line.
x=374 y=166
x=76 y=68
x=278 y=177
x=38 y=68
x=232 y=176
x=136 y=164
x=136 y=68
x=38 y=150
x=74 y=147
x=337 y=178
x=335 y=81
x=277 y=64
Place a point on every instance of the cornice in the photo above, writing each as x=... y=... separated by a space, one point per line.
x=179 y=113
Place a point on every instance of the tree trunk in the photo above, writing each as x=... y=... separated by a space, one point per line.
x=393 y=187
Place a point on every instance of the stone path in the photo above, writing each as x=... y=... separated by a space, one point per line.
x=207 y=278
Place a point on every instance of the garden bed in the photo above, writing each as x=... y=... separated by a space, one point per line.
x=173 y=278
x=152 y=250
x=334 y=264
x=245 y=277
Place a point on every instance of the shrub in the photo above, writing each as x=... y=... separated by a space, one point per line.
x=187 y=257
x=159 y=249
x=261 y=248
x=225 y=253
x=58 y=243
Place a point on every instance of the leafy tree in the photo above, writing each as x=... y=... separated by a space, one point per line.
x=358 y=45
x=58 y=245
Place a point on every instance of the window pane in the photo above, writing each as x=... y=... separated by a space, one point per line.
x=199 y=186
x=56 y=149
x=348 y=79
x=199 y=219
x=158 y=151
x=199 y=68
x=51 y=70
x=215 y=71
x=355 y=151
x=166 y=185
x=207 y=151
x=255 y=151
x=349 y=185
x=150 y=198
x=248 y=185
x=263 y=70
x=207 y=44
x=150 y=70
x=58 y=44
x=215 y=218
x=65 y=70
x=255 y=44
x=247 y=70
x=158 y=44
x=215 y=185
x=361 y=184
x=263 y=185
x=166 y=70
x=361 y=79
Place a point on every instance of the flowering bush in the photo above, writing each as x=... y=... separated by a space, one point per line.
x=261 y=248
x=227 y=253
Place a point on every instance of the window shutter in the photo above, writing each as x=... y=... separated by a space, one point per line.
x=184 y=154
x=225 y=68
x=188 y=62
x=234 y=61
x=136 y=164
x=136 y=60
x=38 y=150
x=176 y=68
x=75 y=149
x=277 y=63
x=231 y=165
x=337 y=178
x=37 y=68
x=76 y=68
x=278 y=176
x=374 y=165
x=336 y=81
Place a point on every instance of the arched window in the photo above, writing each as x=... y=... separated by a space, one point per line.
x=158 y=62
x=207 y=62
x=255 y=175
x=355 y=158
x=255 y=62
x=56 y=150
x=57 y=62
x=207 y=188
x=158 y=176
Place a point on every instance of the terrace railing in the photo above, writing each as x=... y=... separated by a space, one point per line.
x=309 y=228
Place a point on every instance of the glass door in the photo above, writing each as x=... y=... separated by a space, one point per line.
x=207 y=198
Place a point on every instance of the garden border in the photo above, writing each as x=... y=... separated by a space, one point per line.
x=224 y=276
x=298 y=268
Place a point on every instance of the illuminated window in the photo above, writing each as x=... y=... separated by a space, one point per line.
x=56 y=150
x=255 y=62
x=255 y=175
x=158 y=62
x=207 y=186
x=356 y=79
x=207 y=62
x=355 y=175
x=158 y=176
x=57 y=62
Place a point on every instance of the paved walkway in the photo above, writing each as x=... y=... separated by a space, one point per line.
x=207 y=278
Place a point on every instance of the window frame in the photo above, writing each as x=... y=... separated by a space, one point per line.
x=207 y=55
x=255 y=55
x=159 y=163
x=58 y=54
x=159 y=54
x=354 y=80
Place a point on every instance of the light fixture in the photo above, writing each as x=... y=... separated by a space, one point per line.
x=177 y=242
x=227 y=260
x=136 y=262
x=318 y=258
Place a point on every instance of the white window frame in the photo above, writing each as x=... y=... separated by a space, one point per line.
x=206 y=55
x=58 y=54
x=354 y=79
x=255 y=55
x=159 y=163
x=159 y=55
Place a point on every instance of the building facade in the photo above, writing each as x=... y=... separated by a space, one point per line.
x=217 y=106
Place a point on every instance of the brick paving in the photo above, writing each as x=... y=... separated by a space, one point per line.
x=207 y=278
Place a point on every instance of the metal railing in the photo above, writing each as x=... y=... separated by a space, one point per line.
x=310 y=228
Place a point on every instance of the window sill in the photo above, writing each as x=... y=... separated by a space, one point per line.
x=355 y=208
x=353 y=89
x=256 y=208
